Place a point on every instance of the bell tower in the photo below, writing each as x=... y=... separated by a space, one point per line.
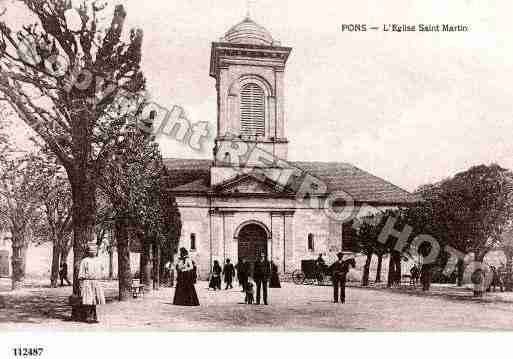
x=248 y=66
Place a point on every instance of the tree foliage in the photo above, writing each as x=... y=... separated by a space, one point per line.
x=21 y=186
x=469 y=211
x=77 y=86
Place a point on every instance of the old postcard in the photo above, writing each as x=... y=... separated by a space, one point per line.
x=255 y=165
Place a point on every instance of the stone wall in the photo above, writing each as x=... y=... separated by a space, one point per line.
x=215 y=226
x=39 y=259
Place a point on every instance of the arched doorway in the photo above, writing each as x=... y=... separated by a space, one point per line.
x=252 y=241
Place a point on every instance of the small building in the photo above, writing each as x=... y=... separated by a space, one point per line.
x=248 y=198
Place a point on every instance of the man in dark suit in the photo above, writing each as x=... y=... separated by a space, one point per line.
x=261 y=275
x=339 y=271
x=229 y=272
x=63 y=273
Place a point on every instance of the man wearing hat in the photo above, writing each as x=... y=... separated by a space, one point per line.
x=91 y=291
x=339 y=271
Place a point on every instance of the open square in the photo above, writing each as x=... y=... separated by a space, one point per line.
x=291 y=307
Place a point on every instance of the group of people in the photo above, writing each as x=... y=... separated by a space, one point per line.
x=265 y=274
x=228 y=272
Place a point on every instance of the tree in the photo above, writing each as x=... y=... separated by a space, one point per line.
x=161 y=223
x=21 y=182
x=76 y=88
x=470 y=211
x=172 y=226
x=367 y=235
x=131 y=185
x=57 y=206
x=104 y=230
x=55 y=225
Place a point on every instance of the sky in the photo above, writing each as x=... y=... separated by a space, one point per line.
x=412 y=108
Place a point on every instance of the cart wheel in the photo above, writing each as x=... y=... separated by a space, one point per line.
x=298 y=277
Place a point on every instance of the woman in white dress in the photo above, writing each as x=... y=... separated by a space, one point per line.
x=91 y=291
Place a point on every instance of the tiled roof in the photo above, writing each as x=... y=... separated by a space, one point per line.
x=194 y=175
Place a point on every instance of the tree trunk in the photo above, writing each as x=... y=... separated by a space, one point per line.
x=397 y=261
x=366 y=269
x=123 y=249
x=19 y=256
x=56 y=259
x=146 y=266
x=65 y=253
x=378 y=269
x=425 y=276
x=508 y=282
x=111 y=262
x=156 y=268
x=479 y=277
x=461 y=271
x=83 y=191
x=391 y=271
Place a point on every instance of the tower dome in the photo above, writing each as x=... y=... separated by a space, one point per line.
x=248 y=32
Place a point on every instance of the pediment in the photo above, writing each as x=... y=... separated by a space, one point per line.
x=251 y=185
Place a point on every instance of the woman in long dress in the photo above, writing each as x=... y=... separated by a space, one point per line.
x=89 y=274
x=215 y=276
x=185 y=293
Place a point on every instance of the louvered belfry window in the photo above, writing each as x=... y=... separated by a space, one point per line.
x=252 y=110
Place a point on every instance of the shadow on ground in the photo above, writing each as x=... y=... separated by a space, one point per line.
x=448 y=293
x=37 y=308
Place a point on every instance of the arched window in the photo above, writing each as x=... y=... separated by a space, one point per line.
x=311 y=246
x=252 y=110
x=193 y=241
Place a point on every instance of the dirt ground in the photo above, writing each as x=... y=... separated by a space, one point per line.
x=291 y=307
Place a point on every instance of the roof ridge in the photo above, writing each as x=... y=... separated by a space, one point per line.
x=382 y=179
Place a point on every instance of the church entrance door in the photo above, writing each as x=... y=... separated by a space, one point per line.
x=252 y=241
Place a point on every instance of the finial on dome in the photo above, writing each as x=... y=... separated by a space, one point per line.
x=248 y=31
x=248 y=9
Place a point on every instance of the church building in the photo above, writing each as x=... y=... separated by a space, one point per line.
x=248 y=198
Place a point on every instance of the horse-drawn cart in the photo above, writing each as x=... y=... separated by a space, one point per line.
x=312 y=273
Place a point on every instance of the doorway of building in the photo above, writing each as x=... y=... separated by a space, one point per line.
x=252 y=241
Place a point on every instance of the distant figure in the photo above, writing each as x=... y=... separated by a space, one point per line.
x=242 y=274
x=339 y=271
x=415 y=273
x=170 y=267
x=320 y=261
x=63 y=273
x=237 y=268
x=425 y=277
x=261 y=275
x=496 y=279
x=89 y=274
x=229 y=273
x=185 y=293
x=250 y=293
x=215 y=276
x=320 y=266
x=275 y=277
